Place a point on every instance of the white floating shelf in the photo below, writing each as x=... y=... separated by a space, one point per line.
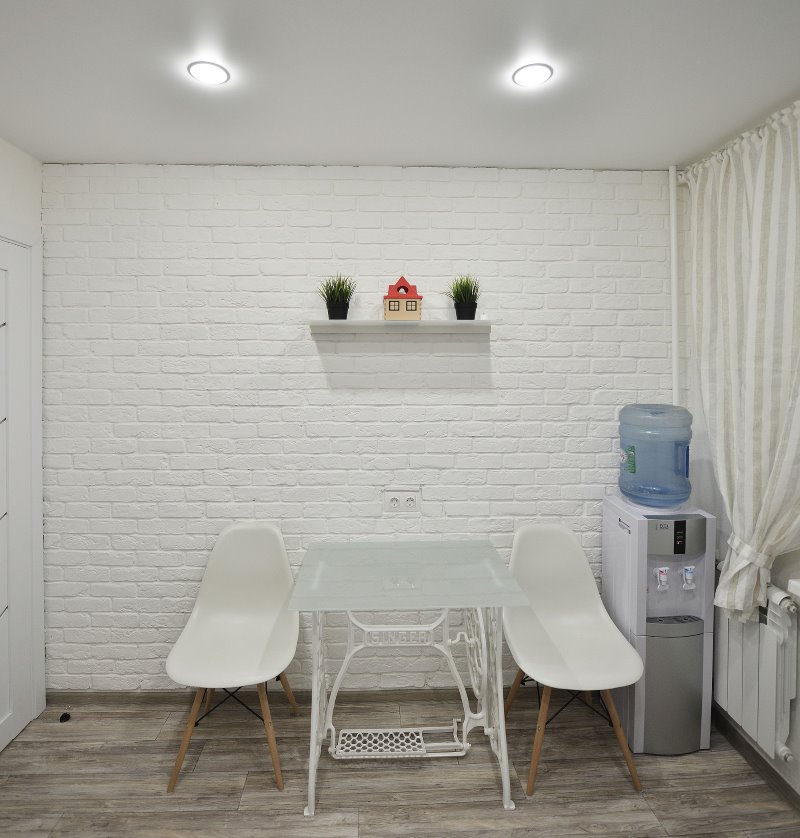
x=330 y=328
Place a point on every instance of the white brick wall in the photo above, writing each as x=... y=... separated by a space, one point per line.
x=183 y=390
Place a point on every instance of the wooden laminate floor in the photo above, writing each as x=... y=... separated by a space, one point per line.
x=104 y=773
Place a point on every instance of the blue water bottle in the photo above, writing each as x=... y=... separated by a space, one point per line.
x=654 y=455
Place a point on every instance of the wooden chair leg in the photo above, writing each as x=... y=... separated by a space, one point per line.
x=187 y=736
x=209 y=700
x=289 y=694
x=512 y=693
x=587 y=697
x=541 y=722
x=273 y=745
x=623 y=744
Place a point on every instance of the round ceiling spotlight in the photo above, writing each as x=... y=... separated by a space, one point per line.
x=207 y=72
x=532 y=75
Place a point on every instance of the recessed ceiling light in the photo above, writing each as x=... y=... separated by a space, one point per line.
x=532 y=75
x=207 y=72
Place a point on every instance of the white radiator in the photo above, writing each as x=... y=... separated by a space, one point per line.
x=755 y=671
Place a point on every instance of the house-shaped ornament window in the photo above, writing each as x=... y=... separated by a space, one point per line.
x=402 y=302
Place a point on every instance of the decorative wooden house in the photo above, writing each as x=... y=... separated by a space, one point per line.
x=402 y=302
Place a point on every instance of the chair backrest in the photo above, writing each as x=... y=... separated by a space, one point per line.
x=549 y=564
x=248 y=573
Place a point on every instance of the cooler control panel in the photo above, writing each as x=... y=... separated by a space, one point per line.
x=676 y=536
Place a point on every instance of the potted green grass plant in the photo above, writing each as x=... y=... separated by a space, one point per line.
x=337 y=291
x=464 y=292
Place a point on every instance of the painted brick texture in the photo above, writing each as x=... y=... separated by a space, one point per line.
x=183 y=389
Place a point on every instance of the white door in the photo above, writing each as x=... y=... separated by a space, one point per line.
x=21 y=644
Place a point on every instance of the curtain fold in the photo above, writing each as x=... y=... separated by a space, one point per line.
x=744 y=336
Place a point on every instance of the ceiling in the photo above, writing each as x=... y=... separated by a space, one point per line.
x=638 y=84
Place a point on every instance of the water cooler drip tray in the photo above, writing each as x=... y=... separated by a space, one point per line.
x=673 y=684
x=680 y=625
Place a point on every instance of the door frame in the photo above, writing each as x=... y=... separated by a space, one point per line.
x=25 y=458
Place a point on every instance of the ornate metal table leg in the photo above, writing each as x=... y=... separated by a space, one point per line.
x=495 y=718
x=396 y=743
x=319 y=701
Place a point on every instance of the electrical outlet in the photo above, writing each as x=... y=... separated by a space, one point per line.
x=402 y=500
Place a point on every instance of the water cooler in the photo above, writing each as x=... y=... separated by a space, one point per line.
x=658 y=583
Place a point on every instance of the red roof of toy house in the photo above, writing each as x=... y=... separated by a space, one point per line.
x=402 y=290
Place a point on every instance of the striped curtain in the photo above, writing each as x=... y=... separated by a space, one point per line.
x=744 y=335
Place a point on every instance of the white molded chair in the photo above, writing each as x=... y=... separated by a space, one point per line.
x=239 y=632
x=565 y=640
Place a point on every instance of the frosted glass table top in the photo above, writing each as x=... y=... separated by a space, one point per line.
x=403 y=576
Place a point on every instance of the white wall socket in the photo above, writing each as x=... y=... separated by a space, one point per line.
x=402 y=500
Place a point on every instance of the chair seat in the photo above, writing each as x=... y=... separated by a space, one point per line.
x=225 y=652
x=574 y=653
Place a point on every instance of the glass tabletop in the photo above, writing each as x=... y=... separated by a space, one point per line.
x=402 y=576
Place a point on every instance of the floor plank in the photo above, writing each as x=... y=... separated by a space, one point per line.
x=722 y=811
x=249 y=754
x=78 y=792
x=94 y=727
x=359 y=782
x=631 y=817
x=29 y=826
x=114 y=757
x=340 y=824
x=780 y=832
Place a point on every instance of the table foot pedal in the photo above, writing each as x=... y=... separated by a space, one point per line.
x=396 y=743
